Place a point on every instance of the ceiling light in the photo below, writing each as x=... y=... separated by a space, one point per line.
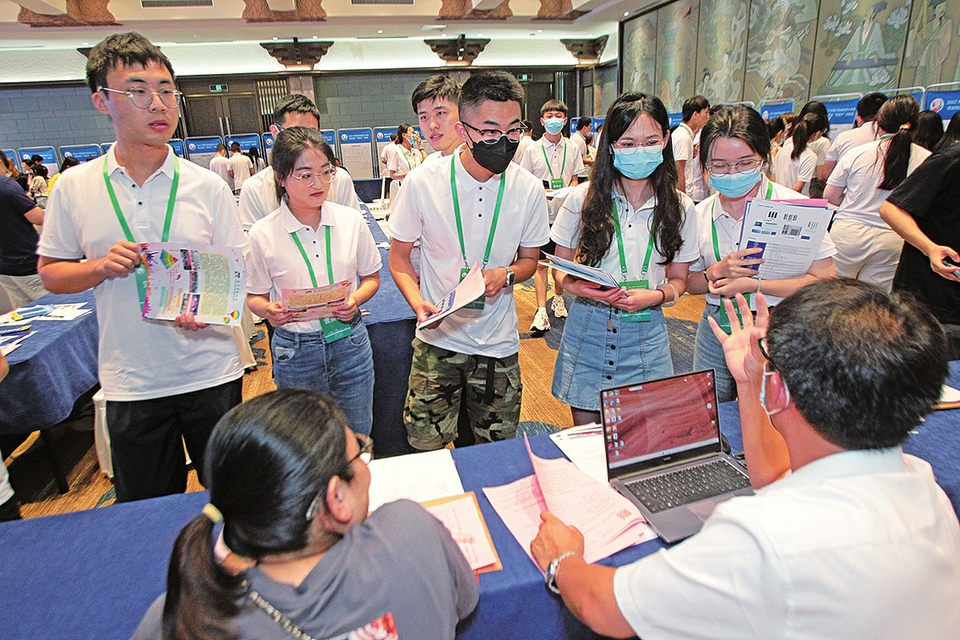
x=539 y=30
x=379 y=30
x=626 y=13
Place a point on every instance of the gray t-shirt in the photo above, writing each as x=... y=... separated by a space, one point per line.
x=400 y=561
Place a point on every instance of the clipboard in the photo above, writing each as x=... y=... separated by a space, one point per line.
x=471 y=496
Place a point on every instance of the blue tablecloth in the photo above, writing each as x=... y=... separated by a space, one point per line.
x=51 y=369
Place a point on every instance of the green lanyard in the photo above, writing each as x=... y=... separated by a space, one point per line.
x=306 y=260
x=456 y=211
x=141 y=271
x=623 y=254
x=563 y=164
x=408 y=158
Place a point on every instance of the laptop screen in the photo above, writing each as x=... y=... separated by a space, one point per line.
x=660 y=418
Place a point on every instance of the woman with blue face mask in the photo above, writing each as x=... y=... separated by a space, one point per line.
x=734 y=145
x=630 y=221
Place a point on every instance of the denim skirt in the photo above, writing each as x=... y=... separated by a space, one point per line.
x=598 y=351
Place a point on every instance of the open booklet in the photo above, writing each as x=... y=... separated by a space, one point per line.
x=469 y=289
x=608 y=521
x=582 y=271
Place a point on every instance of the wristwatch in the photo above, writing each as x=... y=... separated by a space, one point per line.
x=511 y=278
x=551 y=577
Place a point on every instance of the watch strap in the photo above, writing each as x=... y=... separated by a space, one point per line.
x=554 y=567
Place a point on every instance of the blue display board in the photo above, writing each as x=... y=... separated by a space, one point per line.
x=177 y=145
x=268 y=140
x=775 y=108
x=331 y=137
x=675 y=119
x=597 y=122
x=356 y=152
x=946 y=103
x=81 y=152
x=201 y=150
x=381 y=136
x=49 y=155
x=841 y=110
x=245 y=140
x=916 y=92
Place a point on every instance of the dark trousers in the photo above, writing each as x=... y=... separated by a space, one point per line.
x=147 y=436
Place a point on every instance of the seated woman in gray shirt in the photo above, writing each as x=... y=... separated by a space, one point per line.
x=297 y=555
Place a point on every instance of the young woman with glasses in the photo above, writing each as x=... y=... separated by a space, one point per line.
x=305 y=244
x=285 y=548
x=630 y=221
x=734 y=145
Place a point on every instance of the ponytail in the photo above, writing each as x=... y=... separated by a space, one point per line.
x=803 y=130
x=897 y=116
x=202 y=598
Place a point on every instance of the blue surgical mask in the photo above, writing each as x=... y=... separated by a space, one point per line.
x=639 y=163
x=735 y=185
x=553 y=125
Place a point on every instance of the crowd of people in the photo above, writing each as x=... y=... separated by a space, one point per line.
x=831 y=373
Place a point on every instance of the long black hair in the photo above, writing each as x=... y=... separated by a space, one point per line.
x=596 y=221
x=897 y=116
x=266 y=461
x=288 y=146
x=952 y=135
x=805 y=128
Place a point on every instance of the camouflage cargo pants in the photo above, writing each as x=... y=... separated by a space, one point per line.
x=438 y=380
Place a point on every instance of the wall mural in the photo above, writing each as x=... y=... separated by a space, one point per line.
x=767 y=49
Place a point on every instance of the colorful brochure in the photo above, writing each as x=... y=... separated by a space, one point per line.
x=469 y=289
x=314 y=303
x=210 y=282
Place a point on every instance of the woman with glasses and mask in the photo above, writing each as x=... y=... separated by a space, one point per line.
x=734 y=145
x=305 y=244
x=406 y=157
x=285 y=548
x=630 y=221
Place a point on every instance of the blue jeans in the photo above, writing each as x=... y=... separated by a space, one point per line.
x=342 y=369
x=708 y=353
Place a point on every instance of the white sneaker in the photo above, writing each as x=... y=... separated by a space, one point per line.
x=541 y=321
x=559 y=308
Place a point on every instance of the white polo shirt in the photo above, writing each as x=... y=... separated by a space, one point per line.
x=686 y=147
x=635 y=227
x=788 y=171
x=860 y=172
x=220 y=165
x=710 y=212
x=402 y=161
x=143 y=359
x=241 y=166
x=857 y=545
x=258 y=197
x=847 y=140
x=424 y=211
x=275 y=261
x=543 y=157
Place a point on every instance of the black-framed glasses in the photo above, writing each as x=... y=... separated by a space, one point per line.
x=143 y=98
x=365 y=455
x=719 y=167
x=493 y=135
x=310 y=178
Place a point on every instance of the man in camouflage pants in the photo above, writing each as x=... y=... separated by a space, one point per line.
x=475 y=207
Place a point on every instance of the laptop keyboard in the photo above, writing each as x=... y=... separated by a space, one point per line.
x=688 y=485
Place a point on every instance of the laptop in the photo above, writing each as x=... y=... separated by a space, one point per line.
x=664 y=453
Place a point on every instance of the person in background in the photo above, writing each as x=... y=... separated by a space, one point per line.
x=821 y=145
x=776 y=131
x=686 y=148
x=733 y=146
x=165 y=382
x=285 y=547
x=796 y=164
x=867 y=248
x=476 y=207
x=579 y=138
x=18 y=242
x=68 y=162
x=9 y=507
x=14 y=173
x=308 y=243
x=525 y=141
x=435 y=103
x=952 y=135
x=929 y=129
x=38 y=184
x=258 y=197
x=220 y=165
x=923 y=211
x=547 y=159
x=831 y=384
x=631 y=221
x=258 y=164
x=864 y=131
x=241 y=168
x=407 y=155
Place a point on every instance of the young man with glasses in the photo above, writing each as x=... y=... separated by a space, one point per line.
x=162 y=380
x=474 y=207
x=846 y=536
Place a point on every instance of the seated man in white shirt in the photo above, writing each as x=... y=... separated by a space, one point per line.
x=258 y=196
x=846 y=536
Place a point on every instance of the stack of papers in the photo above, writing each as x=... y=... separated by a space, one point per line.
x=462 y=518
x=583 y=446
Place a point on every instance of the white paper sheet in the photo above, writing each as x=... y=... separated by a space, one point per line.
x=469 y=289
x=418 y=476
x=583 y=446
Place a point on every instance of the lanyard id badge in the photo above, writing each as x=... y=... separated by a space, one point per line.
x=140 y=272
x=556 y=182
x=479 y=302
x=642 y=315
x=332 y=328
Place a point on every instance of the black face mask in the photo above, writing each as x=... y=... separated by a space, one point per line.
x=495 y=157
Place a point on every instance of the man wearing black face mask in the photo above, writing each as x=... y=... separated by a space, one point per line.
x=474 y=207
